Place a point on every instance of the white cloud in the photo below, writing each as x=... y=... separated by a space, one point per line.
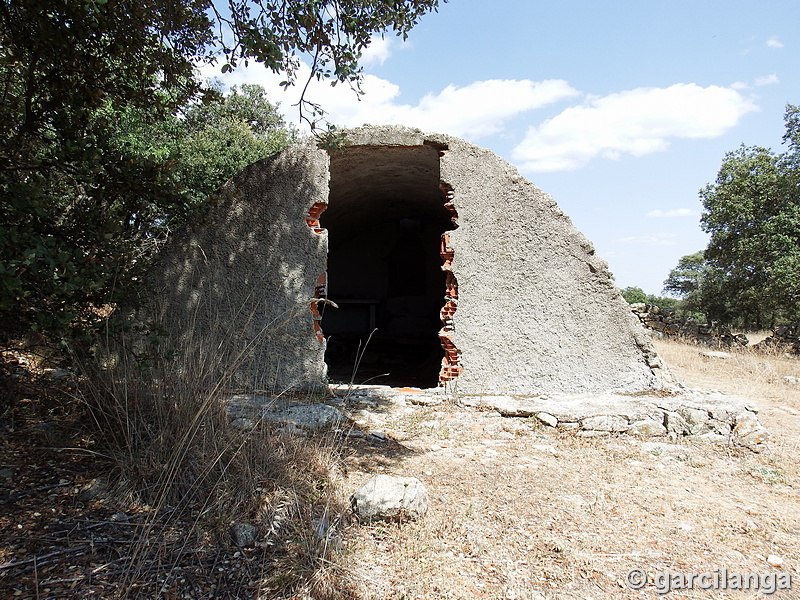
x=676 y=212
x=478 y=109
x=472 y=111
x=379 y=49
x=774 y=43
x=771 y=79
x=635 y=122
x=656 y=239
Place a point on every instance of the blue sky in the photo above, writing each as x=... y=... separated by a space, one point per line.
x=620 y=110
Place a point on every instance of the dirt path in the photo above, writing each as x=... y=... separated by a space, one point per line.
x=521 y=511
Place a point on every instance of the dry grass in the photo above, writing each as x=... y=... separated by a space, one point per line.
x=523 y=512
x=174 y=455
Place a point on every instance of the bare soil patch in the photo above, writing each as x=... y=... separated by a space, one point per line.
x=520 y=511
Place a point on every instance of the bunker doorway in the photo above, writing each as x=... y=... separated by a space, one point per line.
x=385 y=218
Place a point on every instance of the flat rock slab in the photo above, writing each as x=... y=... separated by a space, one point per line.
x=717 y=354
x=385 y=399
x=683 y=413
x=311 y=416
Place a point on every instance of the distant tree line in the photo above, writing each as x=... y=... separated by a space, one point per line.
x=749 y=275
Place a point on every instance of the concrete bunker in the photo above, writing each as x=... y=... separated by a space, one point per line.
x=474 y=279
x=386 y=218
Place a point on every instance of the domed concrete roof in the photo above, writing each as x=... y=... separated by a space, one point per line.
x=446 y=266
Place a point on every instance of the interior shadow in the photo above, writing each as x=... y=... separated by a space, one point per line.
x=385 y=219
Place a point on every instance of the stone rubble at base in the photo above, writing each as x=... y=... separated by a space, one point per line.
x=709 y=416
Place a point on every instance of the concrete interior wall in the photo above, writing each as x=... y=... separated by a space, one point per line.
x=385 y=218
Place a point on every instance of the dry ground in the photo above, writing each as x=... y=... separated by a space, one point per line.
x=517 y=510
x=521 y=511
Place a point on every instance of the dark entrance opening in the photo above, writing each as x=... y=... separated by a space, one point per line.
x=385 y=218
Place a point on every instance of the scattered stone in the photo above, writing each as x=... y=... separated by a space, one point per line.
x=749 y=432
x=773 y=560
x=547 y=419
x=647 y=428
x=590 y=433
x=675 y=423
x=291 y=429
x=696 y=420
x=510 y=407
x=424 y=399
x=243 y=534
x=712 y=437
x=378 y=436
x=120 y=517
x=609 y=423
x=243 y=423
x=470 y=401
x=7 y=473
x=93 y=490
x=386 y=497
x=789 y=380
x=547 y=448
x=746 y=424
x=717 y=354
x=326 y=534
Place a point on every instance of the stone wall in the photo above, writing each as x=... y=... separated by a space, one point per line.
x=667 y=323
x=784 y=338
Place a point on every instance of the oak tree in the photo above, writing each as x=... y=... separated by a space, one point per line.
x=81 y=197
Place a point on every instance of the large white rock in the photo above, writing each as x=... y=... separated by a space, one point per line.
x=647 y=428
x=308 y=416
x=386 y=497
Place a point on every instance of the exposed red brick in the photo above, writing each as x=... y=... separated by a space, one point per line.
x=321 y=287
x=451 y=363
x=446 y=252
x=312 y=220
x=449 y=204
x=451 y=367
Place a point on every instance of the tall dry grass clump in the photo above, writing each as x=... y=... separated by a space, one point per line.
x=174 y=454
